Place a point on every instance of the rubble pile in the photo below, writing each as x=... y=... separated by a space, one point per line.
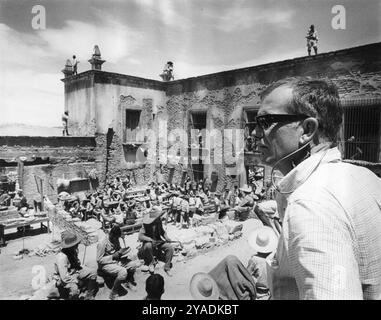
x=204 y=237
x=86 y=230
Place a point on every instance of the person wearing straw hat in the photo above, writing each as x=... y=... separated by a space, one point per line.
x=155 y=241
x=247 y=202
x=109 y=255
x=263 y=241
x=203 y=287
x=70 y=276
x=248 y=198
x=228 y=280
x=131 y=216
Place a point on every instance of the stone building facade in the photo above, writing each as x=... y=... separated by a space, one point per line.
x=102 y=104
x=153 y=130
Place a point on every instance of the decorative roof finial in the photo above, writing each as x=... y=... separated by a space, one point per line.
x=96 y=60
x=68 y=70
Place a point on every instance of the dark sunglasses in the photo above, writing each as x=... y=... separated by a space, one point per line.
x=266 y=120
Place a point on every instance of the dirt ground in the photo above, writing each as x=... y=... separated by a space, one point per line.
x=16 y=275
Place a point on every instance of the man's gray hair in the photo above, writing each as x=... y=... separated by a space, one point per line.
x=318 y=98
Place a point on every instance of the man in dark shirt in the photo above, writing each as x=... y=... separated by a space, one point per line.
x=155 y=241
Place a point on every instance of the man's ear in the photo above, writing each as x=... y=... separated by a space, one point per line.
x=310 y=127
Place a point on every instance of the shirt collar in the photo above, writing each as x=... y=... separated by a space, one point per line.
x=320 y=154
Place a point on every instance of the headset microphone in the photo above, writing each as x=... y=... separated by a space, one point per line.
x=288 y=156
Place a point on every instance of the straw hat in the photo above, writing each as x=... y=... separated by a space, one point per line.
x=268 y=208
x=154 y=213
x=203 y=287
x=245 y=188
x=69 y=239
x=263 y=240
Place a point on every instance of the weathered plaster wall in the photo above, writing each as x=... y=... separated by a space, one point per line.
x=356 y=71
x=112 y=100
x=224 y=95
x=79 y=101
x=67 y=157
x=224 y=111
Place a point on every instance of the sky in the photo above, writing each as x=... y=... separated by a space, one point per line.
x=137 y=37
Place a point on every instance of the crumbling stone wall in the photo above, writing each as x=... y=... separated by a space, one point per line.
x=64 y=157
x=50 y=173
x=356 y=72
x=224 y=111
x=224 y=96
x=116 y=163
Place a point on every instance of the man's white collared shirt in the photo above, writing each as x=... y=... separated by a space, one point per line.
x=330 y=246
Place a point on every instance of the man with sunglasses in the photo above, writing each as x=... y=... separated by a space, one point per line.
x=330 y=246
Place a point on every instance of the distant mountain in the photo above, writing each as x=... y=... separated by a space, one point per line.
x=20 y=129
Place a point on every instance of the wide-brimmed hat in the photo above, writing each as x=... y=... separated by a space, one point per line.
x=153 y=214
x=263 y=240
x=268 y=208
x=245 y=188
x=69 y=239
x=203 y=287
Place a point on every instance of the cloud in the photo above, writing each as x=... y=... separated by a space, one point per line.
x=29 y=91
x=184 y=69
x=170 y=13
x=27 y=97
x=242 y=18
x=114 y=39
x=19 y=49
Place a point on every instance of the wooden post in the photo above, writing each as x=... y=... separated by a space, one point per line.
x=20 y=173
x=42 y=195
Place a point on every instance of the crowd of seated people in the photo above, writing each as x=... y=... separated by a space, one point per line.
x=119 y=204
x=116 y=203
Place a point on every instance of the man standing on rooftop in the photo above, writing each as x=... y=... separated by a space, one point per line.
x=312 y=40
